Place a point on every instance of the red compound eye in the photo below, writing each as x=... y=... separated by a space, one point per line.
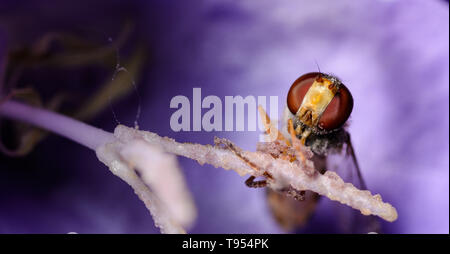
x=338 y=111
x=335 y=114
x=298 y=90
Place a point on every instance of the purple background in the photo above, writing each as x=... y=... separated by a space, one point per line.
x=393 y=56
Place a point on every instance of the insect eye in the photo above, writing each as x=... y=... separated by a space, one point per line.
x=336 y=112
x=298 y=90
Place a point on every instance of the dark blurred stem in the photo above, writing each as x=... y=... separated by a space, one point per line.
x=67 y=127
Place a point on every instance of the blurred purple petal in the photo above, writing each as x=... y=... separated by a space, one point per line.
x=393 y=56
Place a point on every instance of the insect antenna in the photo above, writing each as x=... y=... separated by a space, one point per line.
x=317 y=64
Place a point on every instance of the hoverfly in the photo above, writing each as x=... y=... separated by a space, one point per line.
x=318 y=107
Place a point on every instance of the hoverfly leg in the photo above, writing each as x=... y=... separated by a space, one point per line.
x=295 y=194
x=305 y=135
x=251 y=183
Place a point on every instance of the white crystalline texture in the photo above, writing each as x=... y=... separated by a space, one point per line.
x=160 y=185
x=160 y=171
x=201 y=153
x=274 y=148
x=284 y=172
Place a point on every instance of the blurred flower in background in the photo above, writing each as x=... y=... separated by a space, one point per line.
x=393 y=56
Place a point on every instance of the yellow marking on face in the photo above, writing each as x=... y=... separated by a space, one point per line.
x=316 y=100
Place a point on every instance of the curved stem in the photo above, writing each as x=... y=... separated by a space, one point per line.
x=107 y=148
x=75 y=130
